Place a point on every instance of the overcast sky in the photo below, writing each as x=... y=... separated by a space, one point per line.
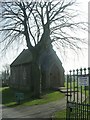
x=74 y=61
x=69 y=61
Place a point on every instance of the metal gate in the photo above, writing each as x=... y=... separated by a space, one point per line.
x=78 y=94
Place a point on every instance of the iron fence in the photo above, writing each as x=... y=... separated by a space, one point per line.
x=78 y=94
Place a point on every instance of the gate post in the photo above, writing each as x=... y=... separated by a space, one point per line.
x=89 y=83
x=67 y=99
x=89 y=93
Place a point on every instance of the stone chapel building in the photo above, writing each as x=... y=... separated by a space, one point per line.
x=51 y=69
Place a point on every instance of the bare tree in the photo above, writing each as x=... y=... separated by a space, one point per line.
x=40 y=24
x=5 y=75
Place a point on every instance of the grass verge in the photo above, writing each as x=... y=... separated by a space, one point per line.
x=60 y=115
x=8 y=98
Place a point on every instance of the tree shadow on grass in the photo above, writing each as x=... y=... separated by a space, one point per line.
x=8 y=96
x=9 y=99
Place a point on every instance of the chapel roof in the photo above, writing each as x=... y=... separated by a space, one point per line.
x=24 y=57
x=45 y=59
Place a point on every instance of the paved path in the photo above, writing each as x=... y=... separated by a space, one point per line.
x=0 y=111
x=36 y=111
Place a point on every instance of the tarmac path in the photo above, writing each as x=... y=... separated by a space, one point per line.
x=36 y=111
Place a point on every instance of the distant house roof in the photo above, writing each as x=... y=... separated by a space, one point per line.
x=24 y=57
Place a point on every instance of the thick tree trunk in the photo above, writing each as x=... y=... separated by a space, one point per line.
x=36 y=75
x=36 y=80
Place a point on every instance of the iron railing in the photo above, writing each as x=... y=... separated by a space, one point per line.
x=78 y=94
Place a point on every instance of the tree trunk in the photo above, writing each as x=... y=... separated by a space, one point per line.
x=36 y=75
x=36 y=80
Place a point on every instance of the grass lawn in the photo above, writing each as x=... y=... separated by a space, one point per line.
x=60 y=114
x=8 y=98
x=0 y=89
